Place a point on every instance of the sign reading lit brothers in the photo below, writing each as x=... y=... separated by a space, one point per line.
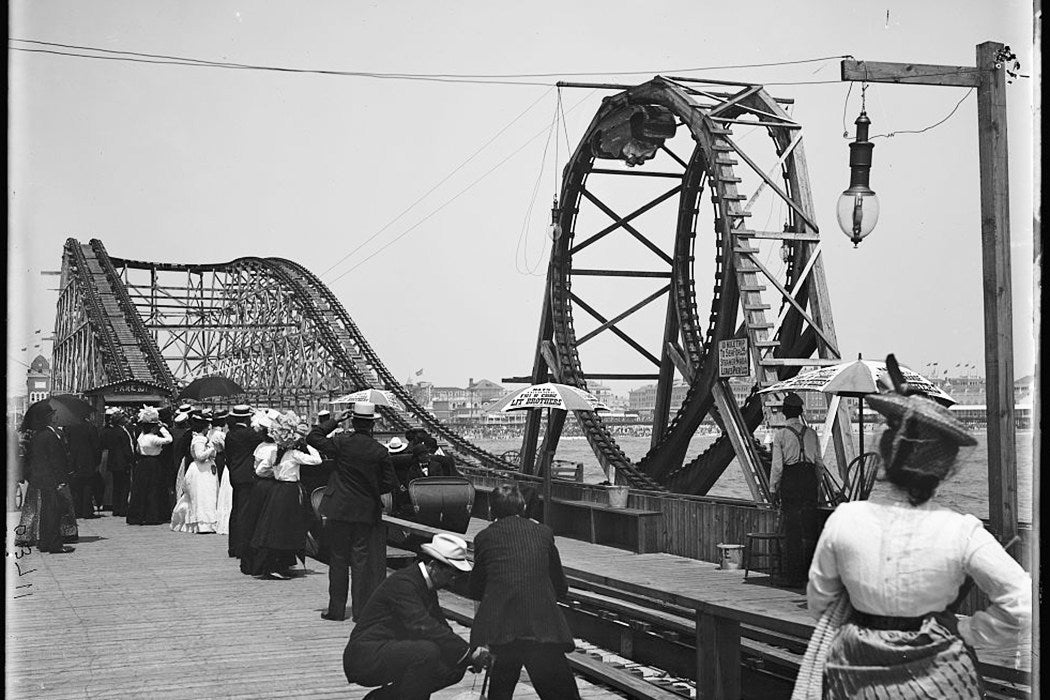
x=732 y=358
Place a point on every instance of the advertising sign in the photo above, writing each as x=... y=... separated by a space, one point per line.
x=732 y=358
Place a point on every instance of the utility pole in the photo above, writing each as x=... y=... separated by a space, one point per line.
x=988 y=77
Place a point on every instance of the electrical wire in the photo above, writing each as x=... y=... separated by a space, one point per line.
x=488 y=172
x=927 y=128
x=521 y=260
x=133 y=56
x=441 y=181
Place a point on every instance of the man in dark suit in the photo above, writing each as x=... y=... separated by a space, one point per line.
x=118 y=451
x=48 y=466
x=85 y=452
x=352 y=508
x=427 y=463
x=402 y=641
x=518 y=578
x=241 y=442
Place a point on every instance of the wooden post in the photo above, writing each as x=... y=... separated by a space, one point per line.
x=555 y=423
x=998 y=302
x=717 y=657
x=995 y=246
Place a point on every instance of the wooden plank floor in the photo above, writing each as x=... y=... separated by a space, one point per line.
x=143 y=612
x=698 y=580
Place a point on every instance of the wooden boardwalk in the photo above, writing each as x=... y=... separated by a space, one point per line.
x=142 y=612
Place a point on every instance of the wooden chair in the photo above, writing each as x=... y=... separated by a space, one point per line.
x=860 y=476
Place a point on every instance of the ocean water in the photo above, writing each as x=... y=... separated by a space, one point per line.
x=966 y=491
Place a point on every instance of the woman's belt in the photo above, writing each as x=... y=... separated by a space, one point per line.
x=882 y=622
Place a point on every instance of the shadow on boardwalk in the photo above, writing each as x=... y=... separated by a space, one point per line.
x=142 y=612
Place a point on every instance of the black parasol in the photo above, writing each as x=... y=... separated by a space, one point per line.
x=205 y=387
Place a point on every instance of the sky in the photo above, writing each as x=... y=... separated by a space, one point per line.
x=412 y=199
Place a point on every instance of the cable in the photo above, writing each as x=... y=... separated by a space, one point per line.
x=457 y=195
x=931 y=126
x=441 y=181
x=403 y=76
x=522 y=248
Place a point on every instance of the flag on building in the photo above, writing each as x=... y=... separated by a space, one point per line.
x=419 y=371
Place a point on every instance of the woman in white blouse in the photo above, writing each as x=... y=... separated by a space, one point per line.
x=196 y=511
x=280 y=530
x=902 y=558
x=147 y=501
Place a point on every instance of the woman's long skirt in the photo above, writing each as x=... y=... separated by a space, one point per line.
x=196 y=511
x=932 y=662
x=225 y=504
x=28 y=529
x=249 y=517
x=147 y=504
x=280 y=532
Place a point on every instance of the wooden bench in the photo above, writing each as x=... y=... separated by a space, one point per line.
x=599 y=523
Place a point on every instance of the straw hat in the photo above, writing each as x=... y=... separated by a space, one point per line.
x=924 y=412
x=241 y=410
x=395 y=445
x=364 y=410
x=449 y=550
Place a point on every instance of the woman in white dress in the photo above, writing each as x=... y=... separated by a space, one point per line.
x=280 y=531
x=224 y=506
x=196 y=510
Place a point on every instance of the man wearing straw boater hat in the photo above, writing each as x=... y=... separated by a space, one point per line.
x=352 y=508
x=240 y=444
x=402 y=641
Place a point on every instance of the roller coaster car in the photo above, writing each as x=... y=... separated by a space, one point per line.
x=442 y=501
x=633 y=134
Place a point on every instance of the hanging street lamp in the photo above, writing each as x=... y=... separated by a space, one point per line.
x=858 y=207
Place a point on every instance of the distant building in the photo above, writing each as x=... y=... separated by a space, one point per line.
x=38 y=379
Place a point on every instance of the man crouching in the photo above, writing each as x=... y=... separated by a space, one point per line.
x=402 y=641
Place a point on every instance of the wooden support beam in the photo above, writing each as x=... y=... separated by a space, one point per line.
x=998 y=299
x=910 y=73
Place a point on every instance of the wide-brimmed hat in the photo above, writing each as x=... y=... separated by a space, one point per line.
x=241 y=410
x=112 y=411
x=395 y=445
x=181 y=418
x=220 y=415
x=364 y=410
x=926 y=413
x=185 y=408
x=323 y=414
x=449 y=550
x=201 y=414
x=262 y=419
x=149 y=414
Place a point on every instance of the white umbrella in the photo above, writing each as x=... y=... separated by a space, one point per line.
x=549 y=395
x=858 y=378
x=379 y=397
x=556 y=397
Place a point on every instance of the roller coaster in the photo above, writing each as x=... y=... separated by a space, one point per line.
x=141 y=328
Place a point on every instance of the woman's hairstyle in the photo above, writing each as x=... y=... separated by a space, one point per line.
x=506 y=499
x=915 y=459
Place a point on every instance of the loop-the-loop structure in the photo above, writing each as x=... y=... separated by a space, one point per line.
x=637 y=178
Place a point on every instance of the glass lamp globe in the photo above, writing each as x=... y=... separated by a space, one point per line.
x=857 y=212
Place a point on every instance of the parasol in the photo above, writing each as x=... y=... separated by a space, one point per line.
x=205 y=387
x=380 y=397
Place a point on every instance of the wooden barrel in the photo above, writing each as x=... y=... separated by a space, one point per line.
x=442 y=501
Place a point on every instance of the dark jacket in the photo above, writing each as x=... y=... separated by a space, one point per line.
x=241 y=442
x=362 y=472
x=440 y=465
x=48 y=459
x=518 y=578
x=403 y=607
x=85 y=448
x=117 y=443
